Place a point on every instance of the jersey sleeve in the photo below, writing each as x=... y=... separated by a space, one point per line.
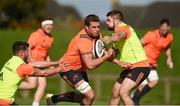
x=25 y=70
x=85 y=45
x=125 y=29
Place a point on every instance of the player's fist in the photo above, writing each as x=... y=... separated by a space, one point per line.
x=107 y=39
x=170 y=65
x=65 y=66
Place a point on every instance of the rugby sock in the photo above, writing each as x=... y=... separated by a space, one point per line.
x=67 y=97
x=35 y=103
x=138 y=94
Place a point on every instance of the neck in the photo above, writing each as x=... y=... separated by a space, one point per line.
x=89 y=34
x=20 y=56
x=163 y=35
x=117 y=23
x=48 y=34
x=45 y=33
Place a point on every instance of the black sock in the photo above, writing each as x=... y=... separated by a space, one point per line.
x=138 y=94
x=68 y=97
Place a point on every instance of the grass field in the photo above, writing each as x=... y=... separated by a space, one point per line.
x=63 y=37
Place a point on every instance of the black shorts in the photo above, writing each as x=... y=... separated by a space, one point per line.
x=74 y=76
x=153 y=68
x=138 y=74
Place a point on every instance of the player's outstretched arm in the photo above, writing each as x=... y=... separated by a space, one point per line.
x=51 y=71
x=125 y=65
x=115 y=37
x=41 y=64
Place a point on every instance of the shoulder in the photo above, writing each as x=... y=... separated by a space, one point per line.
x=36 y=33
x=152 y=34
x=170 y=37
x=25 y=69
x=83 y=36
x=125 y=28
x=35 y=36
x=85 y=39
x=85 y=43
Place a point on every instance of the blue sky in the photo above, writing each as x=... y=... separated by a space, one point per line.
x=101 y=7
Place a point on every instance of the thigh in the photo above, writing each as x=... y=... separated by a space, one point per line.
x=83 y=87
x=85 y=77
x=139 y=74
x=72 y=77
x=77 y=80
x=41 y=80
x=127 y=85
x=122 y=76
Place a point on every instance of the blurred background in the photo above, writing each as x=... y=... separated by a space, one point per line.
x=18 y=18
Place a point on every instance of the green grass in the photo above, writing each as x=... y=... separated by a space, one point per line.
x=63 y=37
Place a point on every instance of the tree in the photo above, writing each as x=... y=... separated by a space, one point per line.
x=20 y=13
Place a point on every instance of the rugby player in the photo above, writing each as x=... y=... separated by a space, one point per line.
x=155 y=42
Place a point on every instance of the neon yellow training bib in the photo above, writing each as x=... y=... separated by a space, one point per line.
x=9 y=79
x=130 y=49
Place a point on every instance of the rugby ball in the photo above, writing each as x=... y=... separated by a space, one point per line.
x=98 y=48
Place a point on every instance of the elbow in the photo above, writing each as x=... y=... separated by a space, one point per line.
x=90 y=66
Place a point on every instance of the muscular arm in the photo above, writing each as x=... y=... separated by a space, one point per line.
x=41 y=64
x=91 y=62
x=115 y=37
x=47 y=72
x=51 y=71
x=122 y=64
x=118 y=36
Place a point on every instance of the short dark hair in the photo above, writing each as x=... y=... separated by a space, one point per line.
x=165 y=20
x=116 y=14
x=47 y=18
x=91 y=18
x=19 y=45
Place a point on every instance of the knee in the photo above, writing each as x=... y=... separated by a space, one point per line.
x=115 y=91
x=89 y=97
x=153 y=83
x=92 y=96
x=123 y=92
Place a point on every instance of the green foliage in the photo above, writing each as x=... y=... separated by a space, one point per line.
x=16 y=13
